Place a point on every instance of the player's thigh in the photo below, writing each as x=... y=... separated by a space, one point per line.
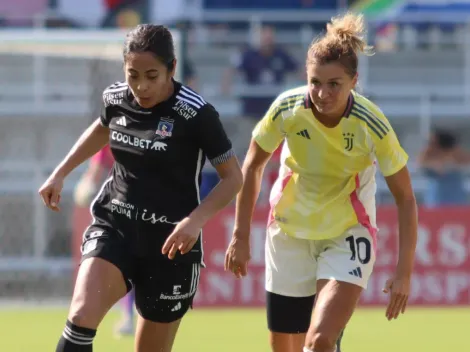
x=291 y=266
x=344 y=268
x=348 y=258
x=154 y=336
x=288 y=321
x=290 y=286
x=164 y=289
x=334 y=306
x=101 y=281
x=164 y=292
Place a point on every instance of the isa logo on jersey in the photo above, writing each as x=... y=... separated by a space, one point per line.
x=165 y=128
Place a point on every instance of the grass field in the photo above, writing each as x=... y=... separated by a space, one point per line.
x=427 y=330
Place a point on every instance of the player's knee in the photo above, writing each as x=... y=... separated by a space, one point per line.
x=79 y=318
x=321 y=342
x=82 y=315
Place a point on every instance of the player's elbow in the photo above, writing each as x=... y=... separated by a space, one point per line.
x=405 y=199
x=231 y=174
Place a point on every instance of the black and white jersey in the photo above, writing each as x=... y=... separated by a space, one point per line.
x=159 y=152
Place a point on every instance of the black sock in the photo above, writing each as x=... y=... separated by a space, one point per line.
x=76 y=339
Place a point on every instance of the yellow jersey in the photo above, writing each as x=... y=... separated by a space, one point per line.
x=326 y=180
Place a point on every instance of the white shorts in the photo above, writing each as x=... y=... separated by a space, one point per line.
x=293 y=265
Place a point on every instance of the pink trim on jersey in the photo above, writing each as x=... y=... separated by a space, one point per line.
x=104 y=157
x=273 y=201
x=361 y=213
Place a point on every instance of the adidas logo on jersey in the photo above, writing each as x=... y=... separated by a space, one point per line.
x=356 y=272
x=177 y=307
x=303 y=133
x=122 y=121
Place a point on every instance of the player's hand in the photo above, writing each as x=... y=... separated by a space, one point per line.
x=399 y=289
x=238 y=256
x=183 y=238
x=50 y=191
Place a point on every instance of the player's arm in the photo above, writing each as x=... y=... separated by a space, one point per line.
x=213 y=140
x=89 y=143
x=267 y=136
x=392 y=160
x=92 y=140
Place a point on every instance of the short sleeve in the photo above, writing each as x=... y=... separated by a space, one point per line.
x=388 y=151
x=269 y=133
x=211 y=136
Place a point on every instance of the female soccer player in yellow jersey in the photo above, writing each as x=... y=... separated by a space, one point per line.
x=321 y=235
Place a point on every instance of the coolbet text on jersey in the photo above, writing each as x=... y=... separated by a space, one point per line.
x=326 y=181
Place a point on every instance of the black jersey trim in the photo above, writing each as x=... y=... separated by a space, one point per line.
x=374 y=118
x=288 y=103
x=371 y=121
x=368 y=123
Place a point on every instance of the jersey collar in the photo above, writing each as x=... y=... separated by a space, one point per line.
x=347 y=111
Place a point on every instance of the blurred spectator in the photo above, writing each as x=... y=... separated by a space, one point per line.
x=443 y=162
x=189 y=75
x=264 y=69
x=124 y=13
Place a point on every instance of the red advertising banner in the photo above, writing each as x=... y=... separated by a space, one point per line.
x=441 y=275
x=442 y=265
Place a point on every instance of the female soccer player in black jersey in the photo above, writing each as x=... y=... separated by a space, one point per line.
x=147 y=218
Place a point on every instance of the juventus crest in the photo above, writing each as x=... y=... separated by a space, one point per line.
x=349 y=141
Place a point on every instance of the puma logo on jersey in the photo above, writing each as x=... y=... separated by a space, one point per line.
x=138 y=142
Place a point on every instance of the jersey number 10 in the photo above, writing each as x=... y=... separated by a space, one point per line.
x=360 y=248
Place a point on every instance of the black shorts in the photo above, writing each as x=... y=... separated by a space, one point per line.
x=164 y=288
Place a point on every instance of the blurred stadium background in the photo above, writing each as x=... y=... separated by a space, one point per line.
x=56 y=56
